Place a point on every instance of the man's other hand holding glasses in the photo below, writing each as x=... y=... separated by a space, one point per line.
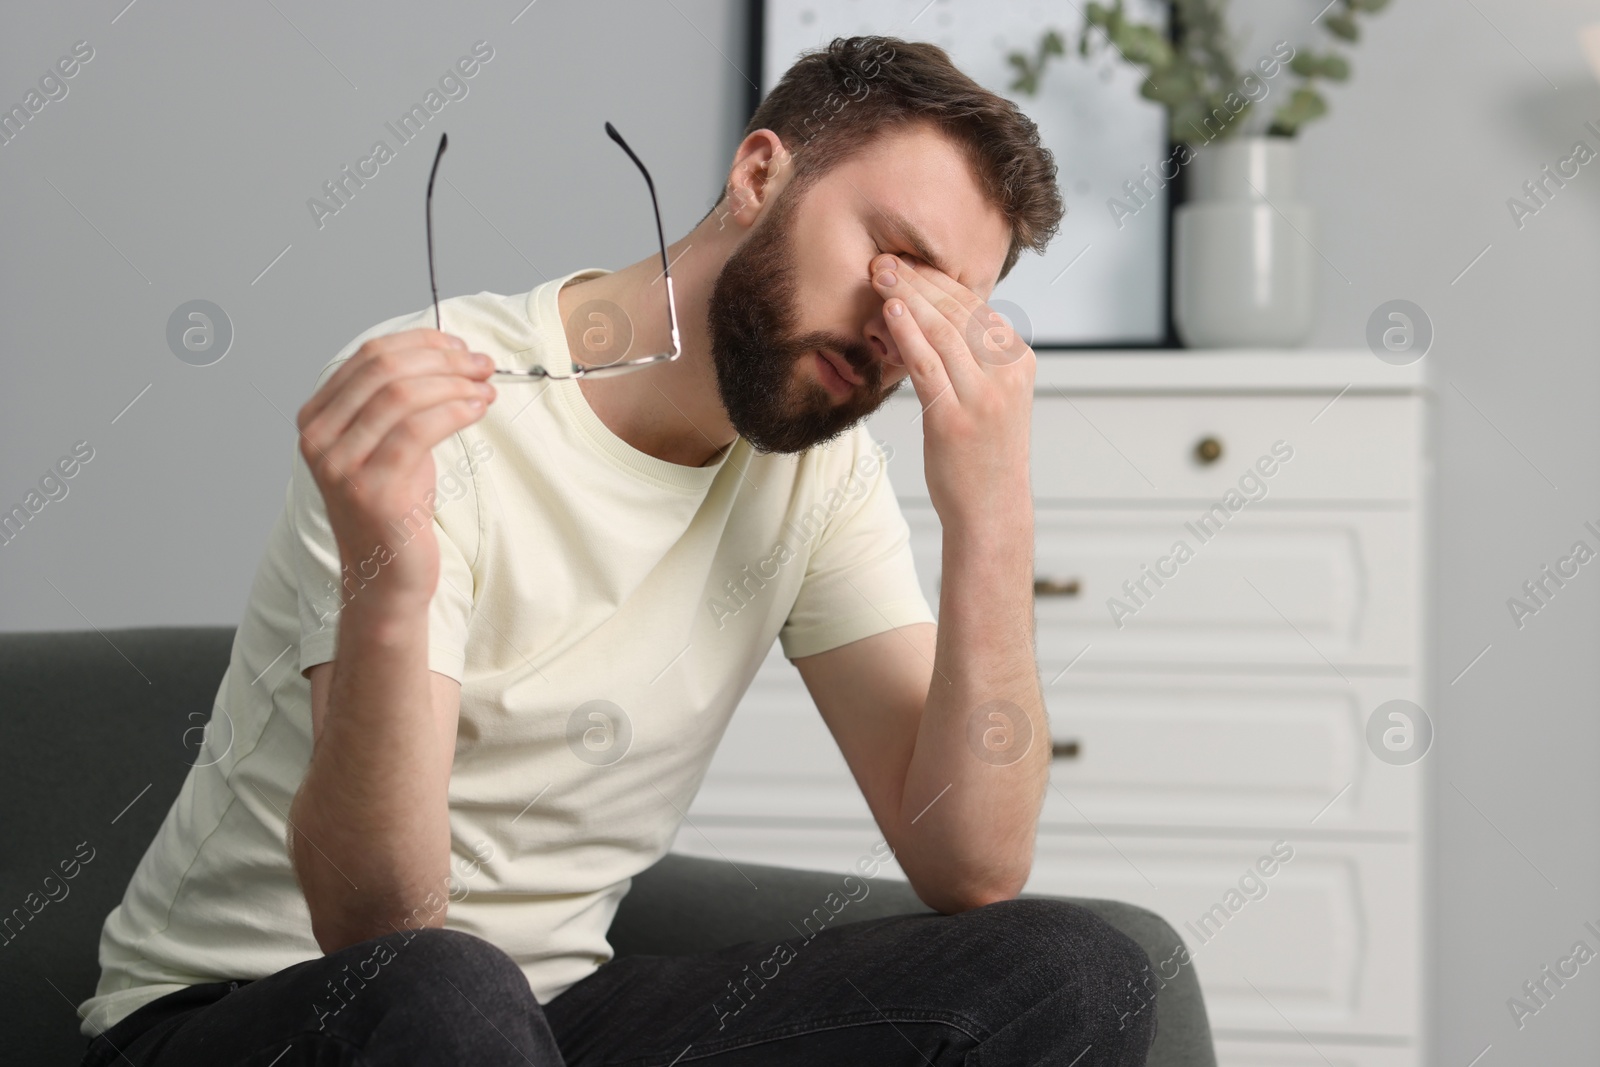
x=369 y=432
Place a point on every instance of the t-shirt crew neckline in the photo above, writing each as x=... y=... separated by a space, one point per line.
x=544 y=312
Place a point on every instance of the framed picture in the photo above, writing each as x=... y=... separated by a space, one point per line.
x=1104 y=280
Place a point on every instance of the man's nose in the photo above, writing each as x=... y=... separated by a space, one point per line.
x=882 y=343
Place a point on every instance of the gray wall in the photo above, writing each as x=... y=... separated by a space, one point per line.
x=1443 y=122
x=179 y=164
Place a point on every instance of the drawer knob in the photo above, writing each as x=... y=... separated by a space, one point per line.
x=1064 y=750
x=1209 y=450
x=1055 y=587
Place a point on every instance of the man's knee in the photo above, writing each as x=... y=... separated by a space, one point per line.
x=1100 y=975
x=454 y=949
x=419 y=967
x=435 y=996
x=1065 y=932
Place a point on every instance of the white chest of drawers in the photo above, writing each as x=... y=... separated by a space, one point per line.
x=1207 y=703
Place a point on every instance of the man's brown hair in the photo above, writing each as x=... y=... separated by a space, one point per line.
x=834 y=101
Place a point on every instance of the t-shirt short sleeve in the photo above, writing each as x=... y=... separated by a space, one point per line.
x=323 y=587
x=860 y=579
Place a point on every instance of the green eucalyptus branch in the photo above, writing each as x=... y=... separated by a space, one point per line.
x=1306 y=102
x=1195 y=75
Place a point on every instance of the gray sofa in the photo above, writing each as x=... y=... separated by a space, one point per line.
x=94 y=748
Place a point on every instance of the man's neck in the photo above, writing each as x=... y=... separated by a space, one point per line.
x=671 y=410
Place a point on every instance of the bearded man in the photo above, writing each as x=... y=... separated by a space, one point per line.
x=497 y=634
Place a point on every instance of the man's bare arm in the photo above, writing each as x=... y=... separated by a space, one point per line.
x=947 y=732
x=962 y=827
x=369 y=832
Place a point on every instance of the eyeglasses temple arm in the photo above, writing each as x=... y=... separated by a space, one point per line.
x=661 y=236
x=444 y=139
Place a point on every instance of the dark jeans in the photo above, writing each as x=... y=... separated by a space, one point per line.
x=1027 y=983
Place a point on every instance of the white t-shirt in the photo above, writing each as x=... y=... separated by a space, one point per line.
x=603 y=610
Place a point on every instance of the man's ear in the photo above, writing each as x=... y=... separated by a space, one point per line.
x=761 y=168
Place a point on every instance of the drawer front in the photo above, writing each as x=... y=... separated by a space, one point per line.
x=1150 y=750
x=1244 y=1053
x=1198 y=448
x=1315 y=589
x=1238 y=751
x=1329 y=939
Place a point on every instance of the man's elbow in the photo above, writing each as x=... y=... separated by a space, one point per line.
x=959 y=896
x=331 y=935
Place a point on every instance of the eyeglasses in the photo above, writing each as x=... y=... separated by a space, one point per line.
x=578 y=370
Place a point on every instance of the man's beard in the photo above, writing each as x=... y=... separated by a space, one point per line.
x=751 y=315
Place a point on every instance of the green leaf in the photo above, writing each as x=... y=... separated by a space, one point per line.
x=1097 y=16
x=1371 y=7
x=1030 y=70
x=1332 y=66
x=1172 y=86
x=1155 y=91
x=1304 y=64
x=1343 y=27
x=1301 y=108
x=1026 y=81
x=1145 y=45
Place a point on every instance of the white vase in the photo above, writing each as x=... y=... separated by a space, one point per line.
x=1244 y=268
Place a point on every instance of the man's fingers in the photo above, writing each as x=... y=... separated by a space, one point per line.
x=389 y=346
x=394 y=404
x=970 y=301
x=989 y=336
x=935 y=314
x=923 y=365
x=411 y=439
x=341 y=402
x=398 y=351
